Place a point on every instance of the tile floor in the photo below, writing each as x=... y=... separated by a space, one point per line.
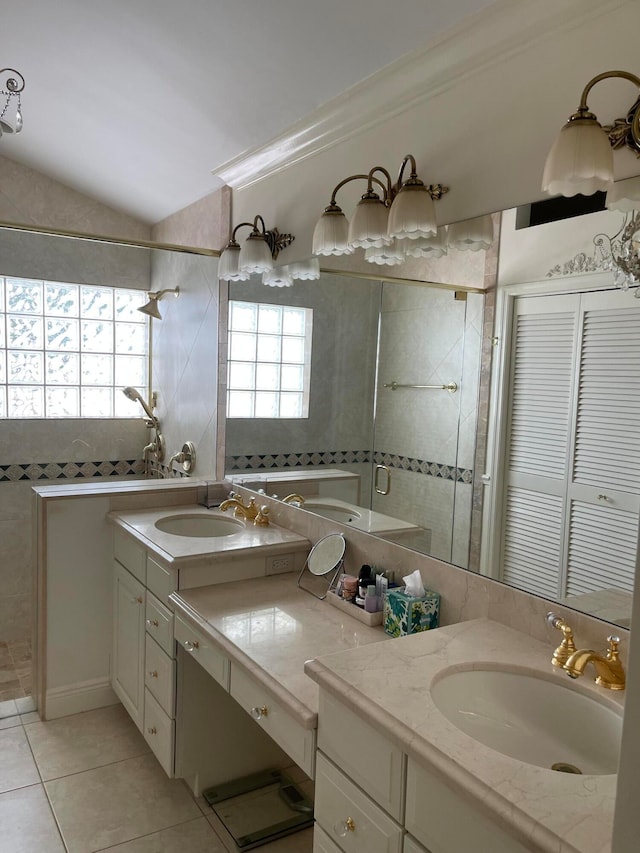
x=15 y=670
x=88 y=782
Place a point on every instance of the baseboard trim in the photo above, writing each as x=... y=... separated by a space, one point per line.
x=75 y=698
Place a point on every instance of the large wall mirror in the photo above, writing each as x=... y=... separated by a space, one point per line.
x=401 y=462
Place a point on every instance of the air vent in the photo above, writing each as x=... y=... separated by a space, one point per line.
x=555 y=209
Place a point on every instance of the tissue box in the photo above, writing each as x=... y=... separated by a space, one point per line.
x=405 y=614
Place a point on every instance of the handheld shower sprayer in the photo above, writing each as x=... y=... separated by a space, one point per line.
x=134 y=394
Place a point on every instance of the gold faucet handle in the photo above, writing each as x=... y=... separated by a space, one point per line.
x=262 y=518
x=567 y=647
x=612 y=650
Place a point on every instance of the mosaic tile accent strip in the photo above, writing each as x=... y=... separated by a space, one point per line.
x=70 y=470
x=264 y=461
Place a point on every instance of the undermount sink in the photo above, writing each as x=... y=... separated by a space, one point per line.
x=204 y=526
x=534 y=719
x=344 y=514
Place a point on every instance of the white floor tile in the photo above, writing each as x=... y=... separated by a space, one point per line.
x=17 y=767
x=27 y=823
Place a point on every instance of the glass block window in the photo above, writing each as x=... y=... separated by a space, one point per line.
x=66 y=349
x=269 y=360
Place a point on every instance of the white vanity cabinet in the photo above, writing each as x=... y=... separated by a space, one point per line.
x=360 y=784
x=143 y=661
x=372 y=798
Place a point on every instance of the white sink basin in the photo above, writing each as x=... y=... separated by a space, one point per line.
x=533 y=719
x=345 y=514
x=204 y=526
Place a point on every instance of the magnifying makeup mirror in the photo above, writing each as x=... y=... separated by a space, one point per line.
x=323 y=565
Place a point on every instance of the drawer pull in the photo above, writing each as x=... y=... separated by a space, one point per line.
x=259 y=713
x=153 y=730
x=190 y=646
x=153 y=673
x=343 y=828
x=137 y=600
x=152 y=623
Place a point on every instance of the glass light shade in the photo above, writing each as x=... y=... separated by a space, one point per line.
x=368 y=228
x=330 y=235
x=471 y=235
x=308 y=270
x=624 y=195
x=278 y=277
x=426 y=247
x=390 y=255
x=229 y=265
x=412 y=213
x=255 y=255
x=580 y=160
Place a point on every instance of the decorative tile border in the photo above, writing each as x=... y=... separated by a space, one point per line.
x=264 y=461
x=70 y=470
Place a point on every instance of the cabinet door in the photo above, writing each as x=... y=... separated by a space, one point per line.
x=127 y=664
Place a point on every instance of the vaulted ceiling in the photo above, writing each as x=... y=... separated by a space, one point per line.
x=135 y=102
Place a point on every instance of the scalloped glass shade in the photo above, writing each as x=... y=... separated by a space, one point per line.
x=368 y=228
x=580 y=160
x=255 y=255
x=389 y=256
x=624 y=195
x=426 y=247
x=278 y=277
x=330 y=235
x=471 y=235
x=229 y=265
x=308 y=270
x=412 y=214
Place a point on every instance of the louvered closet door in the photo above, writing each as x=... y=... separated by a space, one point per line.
x=572 y=481
x=542 y=359
x=604 y=490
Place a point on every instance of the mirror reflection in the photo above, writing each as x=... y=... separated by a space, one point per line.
x=551 y=505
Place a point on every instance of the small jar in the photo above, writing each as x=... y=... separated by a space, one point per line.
x=349 y=588
x=371 y=600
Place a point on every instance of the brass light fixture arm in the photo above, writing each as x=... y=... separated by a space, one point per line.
x=275 y=240
x=389 y=189
x=623 y=131
x=333 y=206
x=436 y=191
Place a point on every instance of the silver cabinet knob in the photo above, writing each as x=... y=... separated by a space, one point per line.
x=259 y=712
x=152 y=623
x=190 y=646
x=344 y=827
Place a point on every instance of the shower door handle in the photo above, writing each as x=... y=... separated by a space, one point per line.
x=376 y=481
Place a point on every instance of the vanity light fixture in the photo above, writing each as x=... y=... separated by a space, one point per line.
x=151 y=307
x=471 y=235
x=257 y=253
x=389 y=219
x=581 y=158
x=11 y=86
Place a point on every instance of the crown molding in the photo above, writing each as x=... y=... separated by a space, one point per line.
x=480 y=41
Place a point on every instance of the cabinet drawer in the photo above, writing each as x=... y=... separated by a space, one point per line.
x=159 y=675
x=159 y=732
x=366 y=756
x=443 y=820
x=129 y=554
x=159 y=623
x=299 y=743
x=322 y=843
x=162 y=582
x=352 y=820
x=412 y=846
x=204 y=650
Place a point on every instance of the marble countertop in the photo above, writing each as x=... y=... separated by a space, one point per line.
x=271 y=627
x=390 y=685
x=182 y=550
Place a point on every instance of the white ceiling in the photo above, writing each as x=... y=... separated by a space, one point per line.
x=135 y=102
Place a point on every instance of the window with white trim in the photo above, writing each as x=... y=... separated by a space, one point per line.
x=66 y=350
x=269 y=360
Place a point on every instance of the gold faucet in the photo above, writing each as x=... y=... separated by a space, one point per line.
x=251 y=511
x=567 y=647
x=294 y=498
x=609 y=669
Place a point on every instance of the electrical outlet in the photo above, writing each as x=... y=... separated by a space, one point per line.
x=280 y=565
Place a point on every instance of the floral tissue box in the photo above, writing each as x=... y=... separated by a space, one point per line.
x=405 y=614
